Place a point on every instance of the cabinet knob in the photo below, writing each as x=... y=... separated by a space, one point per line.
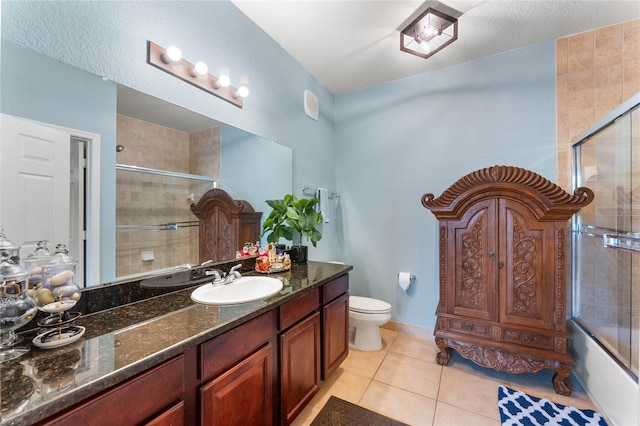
x=492 y=254
x=500 y=265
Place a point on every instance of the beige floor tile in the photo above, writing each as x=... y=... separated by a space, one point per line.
x=364 y=363
x=448 y=415
x=470 y=392
x=401 y=405
x=306 y=416
x=388 y=337
x=416 y=347
x=411 y=374
x=343 y=384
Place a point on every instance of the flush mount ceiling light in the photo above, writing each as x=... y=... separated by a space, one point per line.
x=429 y=33
x=171 y=61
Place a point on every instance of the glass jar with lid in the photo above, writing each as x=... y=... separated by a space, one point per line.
x=9 y=246
x=59 y=291
x=32 y=264
x=16 y=307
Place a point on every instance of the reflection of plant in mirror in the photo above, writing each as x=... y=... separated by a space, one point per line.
x=289 y=214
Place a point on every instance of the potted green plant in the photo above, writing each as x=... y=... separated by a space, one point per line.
x=293 y=214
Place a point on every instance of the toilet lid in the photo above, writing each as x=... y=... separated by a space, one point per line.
x=368 y=305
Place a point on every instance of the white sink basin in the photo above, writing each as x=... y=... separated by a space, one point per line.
x=245 y=289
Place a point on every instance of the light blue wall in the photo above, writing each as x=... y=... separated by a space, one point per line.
x=110 y=39
x=398 y=141
x=251 y=165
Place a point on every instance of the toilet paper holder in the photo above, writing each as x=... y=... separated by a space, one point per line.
x=412 y=277
x=405 y=280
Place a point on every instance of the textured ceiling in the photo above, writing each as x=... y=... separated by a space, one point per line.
x=351 y=44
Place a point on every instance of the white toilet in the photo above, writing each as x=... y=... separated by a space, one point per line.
x=366 y=315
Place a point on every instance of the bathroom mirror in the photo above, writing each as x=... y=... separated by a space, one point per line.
x=167 y=158
x=250 y=167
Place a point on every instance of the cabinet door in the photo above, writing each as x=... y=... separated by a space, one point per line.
x=474 y=248
x=174 y=416
x=300 y=365
x=242 y=395
x=527 y=267
x=335 y=334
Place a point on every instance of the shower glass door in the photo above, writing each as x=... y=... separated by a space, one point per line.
x=606 y=244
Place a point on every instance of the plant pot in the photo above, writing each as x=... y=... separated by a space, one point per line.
x=298 y=254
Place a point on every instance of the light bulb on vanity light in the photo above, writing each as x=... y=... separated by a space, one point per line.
x=242 y=92
x=222 y=81
x=200 y=68
x=172 y=54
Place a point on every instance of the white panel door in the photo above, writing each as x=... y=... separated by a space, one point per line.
x=34 y=176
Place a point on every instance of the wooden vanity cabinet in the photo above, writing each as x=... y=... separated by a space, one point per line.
x=335 y=324
x=503 y=269
x=153 y=397
x=262 y=372
x=237 y=371
x=300 y=362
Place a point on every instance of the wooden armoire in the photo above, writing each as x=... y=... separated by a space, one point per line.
x=503 y=271
x=225 y=225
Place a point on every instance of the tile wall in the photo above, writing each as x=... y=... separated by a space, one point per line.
x=595 y=72
x=145 y=199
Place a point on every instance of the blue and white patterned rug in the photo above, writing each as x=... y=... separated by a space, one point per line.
x=519 y=409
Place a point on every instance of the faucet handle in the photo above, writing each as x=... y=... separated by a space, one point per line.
x=217 y=274
x=234 y=270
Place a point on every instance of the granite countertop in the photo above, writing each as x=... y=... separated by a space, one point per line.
x=126 y=340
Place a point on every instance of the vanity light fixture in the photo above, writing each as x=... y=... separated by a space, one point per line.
x=242 y=92
x=170 y=60
x=200 y=68
x=172 y=54
x=429 y=33
x=222 y=81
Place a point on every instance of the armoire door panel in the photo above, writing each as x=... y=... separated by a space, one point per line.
x=475 y=282
x=524 y=288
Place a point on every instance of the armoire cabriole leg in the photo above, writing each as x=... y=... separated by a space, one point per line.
x=562 y=372
x=444 y=355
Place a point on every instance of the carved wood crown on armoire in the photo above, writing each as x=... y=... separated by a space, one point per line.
x=225 y=225
x=503 y=271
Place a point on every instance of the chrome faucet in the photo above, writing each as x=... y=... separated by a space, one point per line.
x=233 y=274
x=221 y=279
x=216 y=273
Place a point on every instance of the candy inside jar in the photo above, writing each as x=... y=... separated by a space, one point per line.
x=58 y=291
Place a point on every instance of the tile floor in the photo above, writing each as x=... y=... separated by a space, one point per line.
x=404 y=382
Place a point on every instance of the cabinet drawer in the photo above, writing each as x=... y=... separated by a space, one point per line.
x=225 y=350
x=293 y=311
x=527 y=338
x=131 y=402
x=335 y=288
x=472 y=328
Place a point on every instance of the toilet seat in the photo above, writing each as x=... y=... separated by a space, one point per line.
x=367 y=305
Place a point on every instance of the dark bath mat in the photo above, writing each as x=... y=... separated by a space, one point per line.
x=338 y=412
